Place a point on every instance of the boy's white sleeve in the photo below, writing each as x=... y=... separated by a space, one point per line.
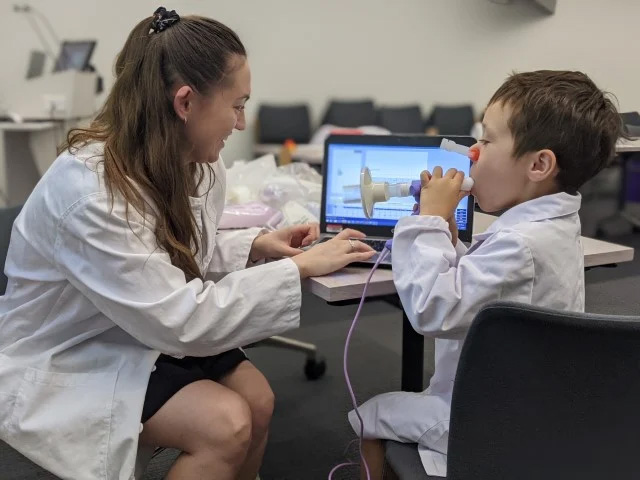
x=461 y=250
x=440 y=294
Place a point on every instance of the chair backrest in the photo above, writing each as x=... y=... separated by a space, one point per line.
x=7 y=217
x=630 y=118
x=277 y=123
x=350 y=114
x=452 y=120
x=633 y=130
x=401 y=119
x=631 y=123
x=543 y=394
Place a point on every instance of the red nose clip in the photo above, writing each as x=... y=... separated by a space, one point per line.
x=474 y=154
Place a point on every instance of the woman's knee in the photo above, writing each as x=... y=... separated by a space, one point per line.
x=235 y=421
x=227 y=431
x=261 y=404
x=203 y=417
x=248 y=382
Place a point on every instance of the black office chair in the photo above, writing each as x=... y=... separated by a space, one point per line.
x=451 y=120
x=630 y=118
x=277 y=123
x=350 y=114
x=7 y=217
x=541 y=394
x=401 y=119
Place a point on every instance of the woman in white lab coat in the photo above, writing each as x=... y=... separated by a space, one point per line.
x=110 y=336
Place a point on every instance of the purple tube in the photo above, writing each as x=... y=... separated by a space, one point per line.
x=414 y=189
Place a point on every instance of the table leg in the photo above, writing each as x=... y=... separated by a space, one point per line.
x=622 y=192
x=412 y=357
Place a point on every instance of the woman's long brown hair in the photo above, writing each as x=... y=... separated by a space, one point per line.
x=144 y=139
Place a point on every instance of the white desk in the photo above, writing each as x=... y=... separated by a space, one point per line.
x=26 y=152
x=348 y=284
x=629 y=146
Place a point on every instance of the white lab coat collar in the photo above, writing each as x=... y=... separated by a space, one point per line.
x=536 y=210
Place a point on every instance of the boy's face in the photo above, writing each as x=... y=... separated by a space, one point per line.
x=500 y=180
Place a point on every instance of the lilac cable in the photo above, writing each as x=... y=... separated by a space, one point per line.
x=381 y=257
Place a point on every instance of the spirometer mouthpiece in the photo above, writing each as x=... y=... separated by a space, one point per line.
x=451 y=146
x=373 y=192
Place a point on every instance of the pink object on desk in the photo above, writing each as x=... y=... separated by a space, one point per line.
x=247 y=215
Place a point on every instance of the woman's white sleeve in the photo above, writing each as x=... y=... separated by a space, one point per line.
x=440 y=294
x=232 y=249
x=117 y=265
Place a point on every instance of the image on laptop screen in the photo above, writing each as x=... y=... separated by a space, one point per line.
x=387 y=163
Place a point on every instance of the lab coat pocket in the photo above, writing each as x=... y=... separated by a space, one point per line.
x=63 y=421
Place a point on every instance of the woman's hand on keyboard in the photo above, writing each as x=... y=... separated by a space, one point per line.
x=286 y=242
x=334 y=254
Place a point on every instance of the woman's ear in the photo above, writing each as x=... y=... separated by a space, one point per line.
x=183 y=102
x=543 y=165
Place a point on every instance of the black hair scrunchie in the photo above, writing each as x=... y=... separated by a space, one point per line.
x=163 y=19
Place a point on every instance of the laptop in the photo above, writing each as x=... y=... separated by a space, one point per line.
x=390 y=158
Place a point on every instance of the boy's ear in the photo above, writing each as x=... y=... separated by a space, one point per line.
x=183 y=102
x=543 y=165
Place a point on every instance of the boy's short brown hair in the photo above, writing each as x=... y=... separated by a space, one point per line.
x=566 y=113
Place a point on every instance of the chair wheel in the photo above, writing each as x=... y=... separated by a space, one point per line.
x=315 y=368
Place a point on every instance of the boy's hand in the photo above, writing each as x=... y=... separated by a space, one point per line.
x=440 y=194
x=453 y=226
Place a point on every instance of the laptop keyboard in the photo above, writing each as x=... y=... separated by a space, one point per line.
x=376 y=244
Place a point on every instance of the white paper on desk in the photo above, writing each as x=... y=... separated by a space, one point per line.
x=434 y=463
x=296 y=214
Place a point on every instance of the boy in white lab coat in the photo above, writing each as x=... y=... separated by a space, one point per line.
x=545 y=133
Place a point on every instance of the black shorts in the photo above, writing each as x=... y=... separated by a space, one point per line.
x=171 y=374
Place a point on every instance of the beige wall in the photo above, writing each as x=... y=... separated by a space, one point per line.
x=395 y=51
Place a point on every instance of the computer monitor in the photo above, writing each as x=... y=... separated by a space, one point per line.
x=391 y=158
x=74 y=55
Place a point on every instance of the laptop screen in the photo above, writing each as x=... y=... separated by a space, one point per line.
x=391 y=160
